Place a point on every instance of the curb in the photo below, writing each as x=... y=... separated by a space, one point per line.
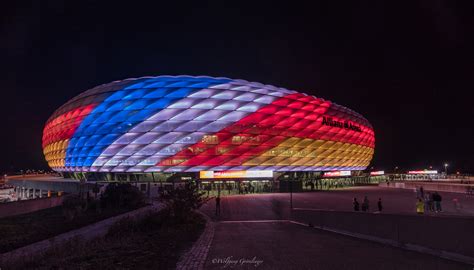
x=195 y=258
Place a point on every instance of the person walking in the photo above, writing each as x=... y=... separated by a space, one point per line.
x=379 y=205
x=432 y=203
x=427 y=202
x=437 y=202
x=439 y=208
x=218 y=206
x=356 y=205
x=365 y=204
x=422 y=192
x=420 y=207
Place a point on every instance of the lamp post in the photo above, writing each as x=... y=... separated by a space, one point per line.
x=446 y=169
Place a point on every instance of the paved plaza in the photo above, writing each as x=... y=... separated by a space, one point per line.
x=276 y=205
x=253 y=232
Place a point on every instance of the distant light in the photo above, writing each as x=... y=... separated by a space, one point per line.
x=377 y=173
x=423 y=172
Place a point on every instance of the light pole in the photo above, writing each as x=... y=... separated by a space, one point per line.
x=446 y=169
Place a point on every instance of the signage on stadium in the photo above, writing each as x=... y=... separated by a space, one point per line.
x=337 y=173
x=235 y=174
x=423 y=172
x=328 y=121
x=377 y=173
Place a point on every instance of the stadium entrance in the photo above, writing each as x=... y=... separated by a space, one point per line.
x=236 y=182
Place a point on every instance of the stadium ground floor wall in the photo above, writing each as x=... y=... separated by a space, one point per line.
x=280 y=182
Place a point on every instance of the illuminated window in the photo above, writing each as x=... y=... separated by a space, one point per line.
x=210 y=139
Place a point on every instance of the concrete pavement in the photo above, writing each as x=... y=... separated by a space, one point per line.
x=282 y=245
x=253 y=232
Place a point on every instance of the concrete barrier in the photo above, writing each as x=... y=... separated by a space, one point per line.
x=443 y=234
x=27 y=206
x=430 y=186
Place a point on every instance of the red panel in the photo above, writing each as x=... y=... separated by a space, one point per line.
x=278 y=122
x=64 y=126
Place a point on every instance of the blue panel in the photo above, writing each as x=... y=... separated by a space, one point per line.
x=125 y=108
x=119 y=117
x=89 y=161
x=157 y=93
x=104 y=117
x=135 y=94
x=156 y=84
x=135 y=86
x=159 y=104
x=93 y=140
x=180 y=93
x=138 y=104
x=200 y=85
x=180 y=83
x=142 y=115
x=108 y=139
x=119 y=105
x=115 y=96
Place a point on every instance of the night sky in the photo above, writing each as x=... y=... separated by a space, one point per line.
x=407 y=67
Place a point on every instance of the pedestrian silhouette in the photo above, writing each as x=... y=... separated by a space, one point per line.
x=420 y=207
x=379 y=204
x=356 y=204
x=218 y=206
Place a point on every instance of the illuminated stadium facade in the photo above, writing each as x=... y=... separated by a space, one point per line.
x=189 y=124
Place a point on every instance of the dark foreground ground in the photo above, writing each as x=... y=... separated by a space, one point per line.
x=281 y=245
x=251 y=228
x=154 y=242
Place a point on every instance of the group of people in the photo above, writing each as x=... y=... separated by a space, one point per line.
x=366 y=205
x=428 y=201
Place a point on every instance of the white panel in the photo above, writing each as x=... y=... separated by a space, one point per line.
x=192 y=126
x=129 y=150
x=145 y=126
x=211 y=115
x=147 y=138
x=188 y=114
x=265 y=99
x=151 y=161
x=206 y=104
x=250 y=107
x=150 y=149
x=167 y=126
x=170 y=137
x=127 y=138
x=226 y=94
x=111 y=150
x=165 y=114
x=247 y=97
x=205 y=93
x=230 y=105
x=182 y=104
x=215 y=126
x=233 y=116
x=191 y=138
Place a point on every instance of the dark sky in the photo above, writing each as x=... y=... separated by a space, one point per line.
x=407 y=67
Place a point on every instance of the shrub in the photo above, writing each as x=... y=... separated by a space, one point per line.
x=183 y=200
x=73 y=206
x=122 y=196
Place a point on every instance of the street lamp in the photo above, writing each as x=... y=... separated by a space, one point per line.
x=446 y=169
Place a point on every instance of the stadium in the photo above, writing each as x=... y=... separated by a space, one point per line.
x=172 y=128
